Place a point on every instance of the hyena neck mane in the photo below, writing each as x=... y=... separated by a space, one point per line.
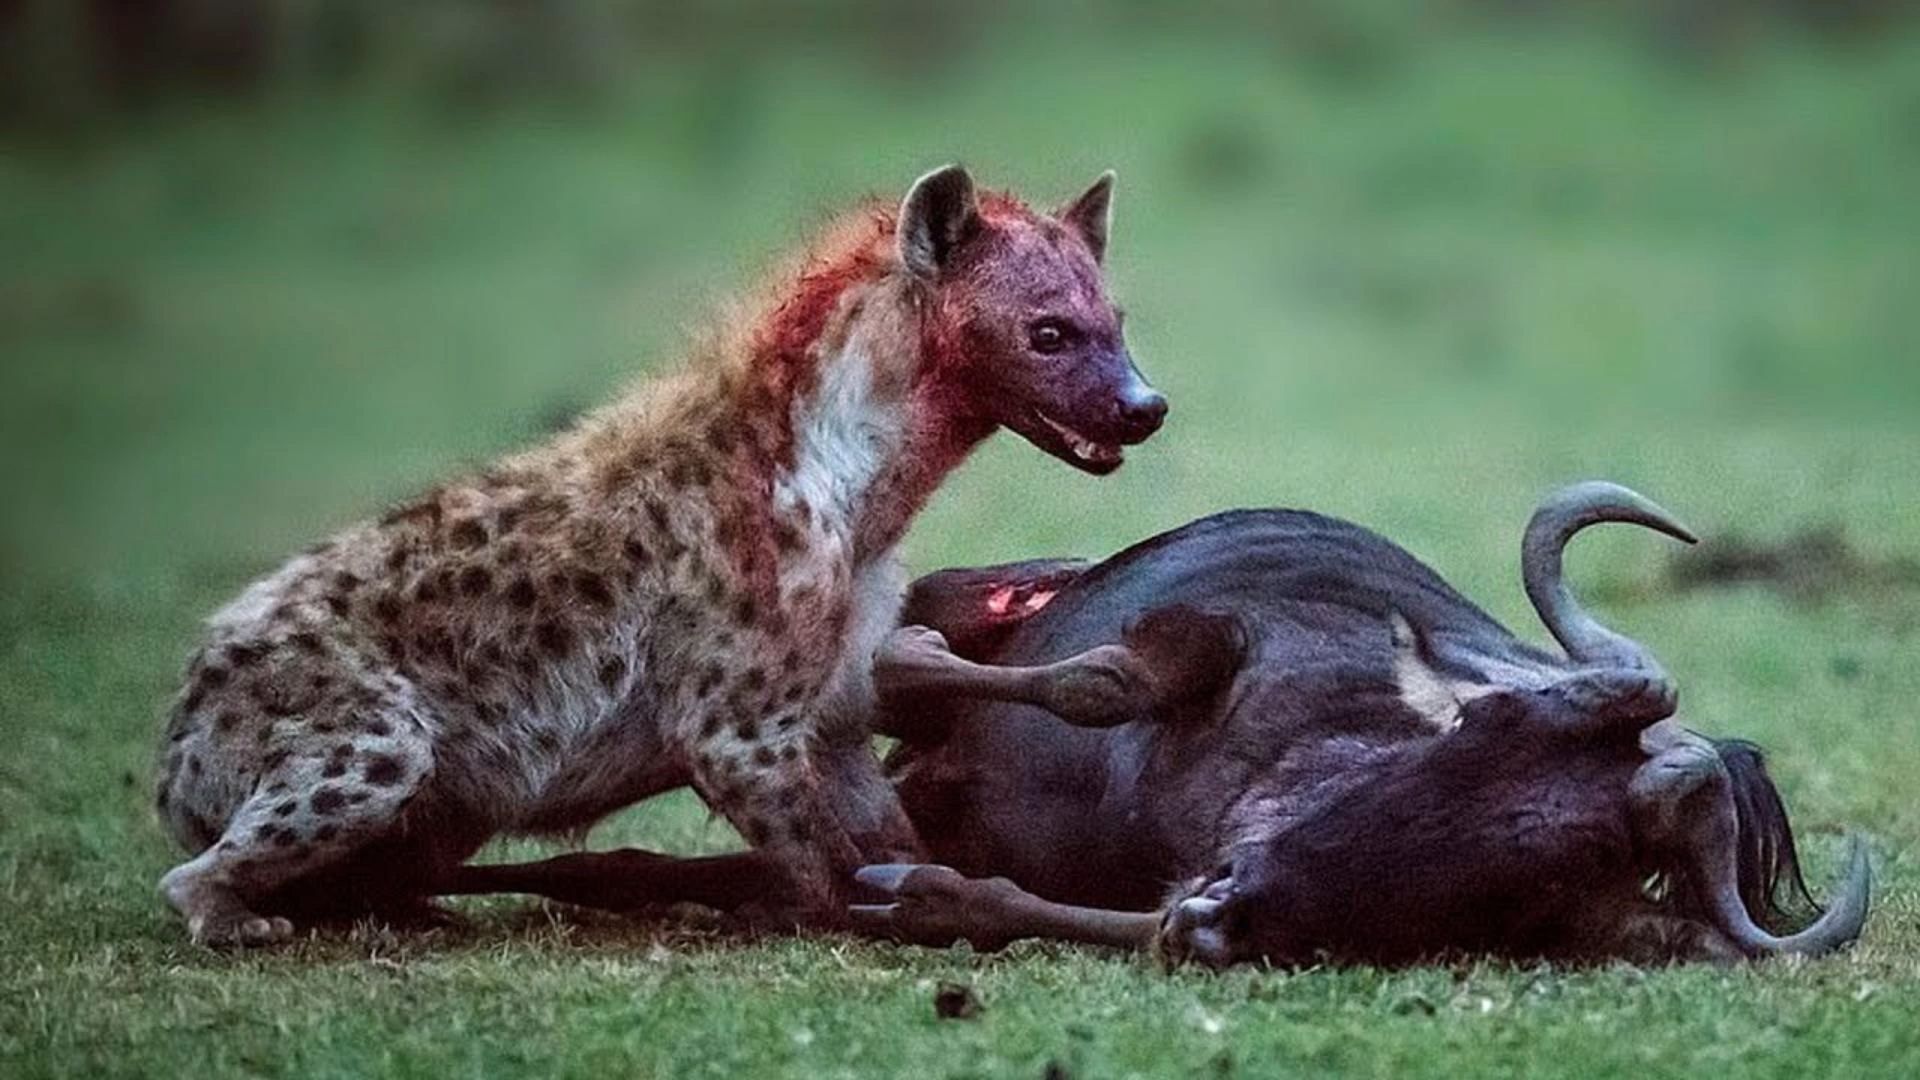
x=834 y=391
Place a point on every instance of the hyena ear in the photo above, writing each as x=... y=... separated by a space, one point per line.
x=1091 y=213
x=940 y=212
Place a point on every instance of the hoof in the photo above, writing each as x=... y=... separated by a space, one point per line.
x=244 y=931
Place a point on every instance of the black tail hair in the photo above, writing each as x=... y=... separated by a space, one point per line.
x=1771 y=886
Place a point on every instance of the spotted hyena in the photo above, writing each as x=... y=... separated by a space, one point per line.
x=685 y=588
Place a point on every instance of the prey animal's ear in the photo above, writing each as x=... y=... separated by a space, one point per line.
x=940 y=212
x=1091 y=213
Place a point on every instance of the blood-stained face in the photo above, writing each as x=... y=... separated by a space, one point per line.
x=1022 y=318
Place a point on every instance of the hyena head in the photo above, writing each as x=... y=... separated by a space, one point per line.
x=1020 y=321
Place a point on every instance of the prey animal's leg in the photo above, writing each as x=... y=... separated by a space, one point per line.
x=936 y=905
x=1166 y=658
x=1099 y=687
x=629 y=879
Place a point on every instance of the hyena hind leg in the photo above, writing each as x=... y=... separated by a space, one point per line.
x=309 y=820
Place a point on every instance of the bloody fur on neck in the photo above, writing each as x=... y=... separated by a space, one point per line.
x=842 y=344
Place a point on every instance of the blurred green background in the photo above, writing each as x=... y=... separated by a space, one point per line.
x=267 y=266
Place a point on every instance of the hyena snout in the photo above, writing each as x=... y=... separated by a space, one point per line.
x=1138 y=410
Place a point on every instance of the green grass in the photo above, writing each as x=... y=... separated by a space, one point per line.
x=1417 y=299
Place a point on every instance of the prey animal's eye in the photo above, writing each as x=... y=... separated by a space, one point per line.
x=1049 y=335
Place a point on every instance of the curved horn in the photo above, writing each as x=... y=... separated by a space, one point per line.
x=1841 y=924
x=1555 y=522
x=1683 y=801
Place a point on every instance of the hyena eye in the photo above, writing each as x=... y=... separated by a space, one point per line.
x=1048 y=335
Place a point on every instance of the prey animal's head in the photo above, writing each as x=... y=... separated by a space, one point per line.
x=1019 y=318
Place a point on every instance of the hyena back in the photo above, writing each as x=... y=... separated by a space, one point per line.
x=685 y=588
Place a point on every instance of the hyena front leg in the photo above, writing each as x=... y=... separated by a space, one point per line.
x=762 y=778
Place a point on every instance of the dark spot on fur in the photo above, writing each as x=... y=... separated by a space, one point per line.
x=709 y=680
x=720 y=439
x=636 y=551
x=475 y=580
x=196 y=697
x=226 y=721
x=687 y=470
x=346 y=581
x=397 y=558
x=763 y=756
x=324 y=727
x=593 y=589
x=393 y=647
x=546 y=740
x=247 y=655
x=612 y=672
x=285 y=809
x=468 y=534
x=379 y=728
x=334 y=770
x=215 y=677
x=387 y=608
x=787 y=721
x=327 y=800
x=552 y=637
x=710 y=725
x=161 y=798
x=662 y=521
x=271 y=700
x=789 y=752
x=746 y=729
x=306 y=641
x=284 y=838
x=383 y=770
x=358 y=796
x=325 y=833
x=427 y=591
x=787 y=536
x=339 y=604
x=744 y=610
x=521 y=593
x=266 y=833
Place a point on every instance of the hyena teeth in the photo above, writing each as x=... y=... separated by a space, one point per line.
x=1083 y=448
